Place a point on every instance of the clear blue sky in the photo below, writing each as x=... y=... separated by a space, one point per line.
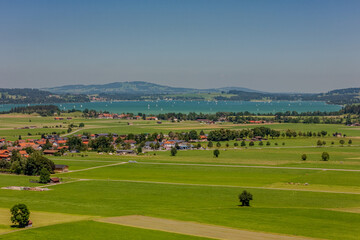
x=284 y=45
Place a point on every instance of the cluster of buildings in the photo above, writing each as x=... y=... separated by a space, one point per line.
x=54 y=143
x=124 y=116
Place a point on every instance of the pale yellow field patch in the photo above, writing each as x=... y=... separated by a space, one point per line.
x=193 y=228
x=316 y=187
x=350 y=210
x=39 y=219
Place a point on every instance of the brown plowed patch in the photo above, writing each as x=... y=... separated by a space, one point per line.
x=193 y=228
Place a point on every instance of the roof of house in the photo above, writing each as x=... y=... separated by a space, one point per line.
x=50 y=151
x=60 y=166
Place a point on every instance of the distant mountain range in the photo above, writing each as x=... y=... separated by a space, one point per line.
x=136 y=87
x=150 y=91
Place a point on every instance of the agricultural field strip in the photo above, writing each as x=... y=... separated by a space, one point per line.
x=194 y=228
x=210 y=185
x=248 y=166
x=205 y=165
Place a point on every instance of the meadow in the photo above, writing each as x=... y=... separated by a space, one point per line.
x=311 y=198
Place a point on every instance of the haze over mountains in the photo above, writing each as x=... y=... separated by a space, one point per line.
x=136 y=87
x=149 y=91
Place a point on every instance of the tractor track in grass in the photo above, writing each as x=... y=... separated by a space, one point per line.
x=91 y=168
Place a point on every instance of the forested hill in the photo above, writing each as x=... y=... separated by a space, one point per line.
x=339 y=96
x=29 y=95
x=134 y=88
x=144 y=90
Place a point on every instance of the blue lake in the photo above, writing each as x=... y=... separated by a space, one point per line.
x=162 y=106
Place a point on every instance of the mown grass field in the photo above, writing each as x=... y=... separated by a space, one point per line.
x=48 y=125
x=291 y=196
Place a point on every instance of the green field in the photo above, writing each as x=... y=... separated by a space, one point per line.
x=291 y=196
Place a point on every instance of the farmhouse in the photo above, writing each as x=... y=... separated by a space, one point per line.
x=54 y=180
x=50 y=152
x=61 y=168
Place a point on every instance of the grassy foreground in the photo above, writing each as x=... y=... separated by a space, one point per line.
x=289 y=198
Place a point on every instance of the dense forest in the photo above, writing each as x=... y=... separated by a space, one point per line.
x=29 y=95
x=340 y=96
x=43 y=110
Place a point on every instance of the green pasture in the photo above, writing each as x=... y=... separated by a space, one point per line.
x=279 y=211
x=233 y=176
x=346 y=157
x=313 y=202
x=8 y=124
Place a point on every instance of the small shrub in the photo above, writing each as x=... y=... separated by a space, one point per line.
x=245 y=198
x=325 y=156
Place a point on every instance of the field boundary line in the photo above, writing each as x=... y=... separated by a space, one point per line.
x=249 y=166
x=216 y=185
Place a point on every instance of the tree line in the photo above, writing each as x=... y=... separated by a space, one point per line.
x=31 y=166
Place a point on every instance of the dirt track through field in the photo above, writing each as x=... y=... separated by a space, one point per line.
x=193 y=228
x=91 y=168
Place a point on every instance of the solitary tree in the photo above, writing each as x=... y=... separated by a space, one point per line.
x=325 y=156
x=243 y=144
x=173 y=151
x=218 y=144
x=245 y=198
x=303 y=157
x=20 y=215
x=350 y=142
x=216 y=153
x=319 y=143
x=44 y=176
x=210 y=144
x=139 y=149
x=342 y=142
x=251 y=143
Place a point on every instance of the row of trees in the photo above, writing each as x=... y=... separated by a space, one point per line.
x=227 y=134
x=325 y=156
